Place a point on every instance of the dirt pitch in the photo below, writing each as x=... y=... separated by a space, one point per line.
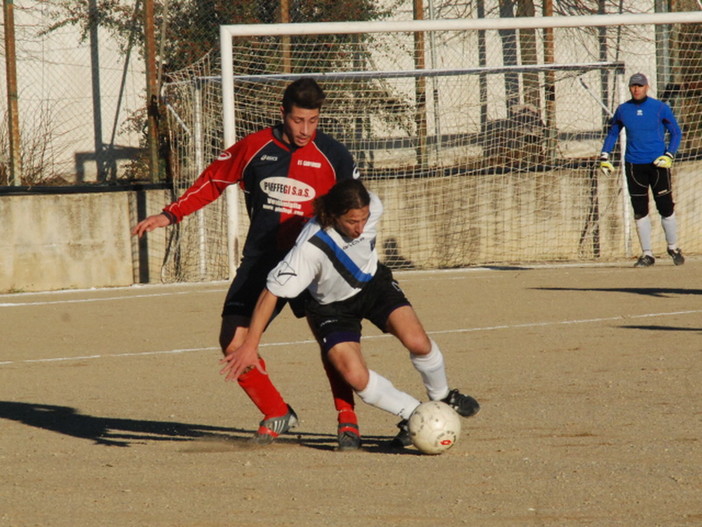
x=112 y=411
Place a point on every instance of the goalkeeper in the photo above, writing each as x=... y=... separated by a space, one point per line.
x=647 y=163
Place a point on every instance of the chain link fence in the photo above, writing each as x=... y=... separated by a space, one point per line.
x=80 y=78
x=81 y=87
x=80 y=96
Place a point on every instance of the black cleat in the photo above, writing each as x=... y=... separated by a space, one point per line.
x=677 y=256
x=402 y=439
x=645 y=261
x=464 y=405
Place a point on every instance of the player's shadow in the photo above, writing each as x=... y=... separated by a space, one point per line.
x=105 y=430
x=665 y=328
x=110 y=431
x=659 y=292
x=369 y=443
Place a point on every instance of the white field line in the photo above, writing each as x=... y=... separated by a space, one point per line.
x=372 y=337
x=105 y=298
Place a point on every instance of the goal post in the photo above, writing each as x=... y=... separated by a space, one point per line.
x=484 y=150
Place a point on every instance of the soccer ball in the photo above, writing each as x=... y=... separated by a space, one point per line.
x=434 y=427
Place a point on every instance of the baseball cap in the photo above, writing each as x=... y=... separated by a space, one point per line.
x=638 y=79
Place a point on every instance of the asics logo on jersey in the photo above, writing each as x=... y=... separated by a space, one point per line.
x=266 y=157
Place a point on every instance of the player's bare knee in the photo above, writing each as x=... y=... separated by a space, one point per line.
x=418 y=344
x=355 y=375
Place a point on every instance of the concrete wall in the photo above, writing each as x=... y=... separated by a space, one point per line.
x=71 y=241
x=83 y=240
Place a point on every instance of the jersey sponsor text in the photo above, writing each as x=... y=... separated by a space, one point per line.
x=286 y=189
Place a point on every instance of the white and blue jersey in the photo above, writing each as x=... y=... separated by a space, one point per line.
x=646 y=123
x=329 y=265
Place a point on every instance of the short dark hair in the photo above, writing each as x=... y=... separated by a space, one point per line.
x=344 y=196
x=303 y=93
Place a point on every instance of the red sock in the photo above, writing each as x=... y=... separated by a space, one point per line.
x=343 y=395
x=258 y=386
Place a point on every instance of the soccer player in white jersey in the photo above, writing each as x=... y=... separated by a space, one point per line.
x=335 y=261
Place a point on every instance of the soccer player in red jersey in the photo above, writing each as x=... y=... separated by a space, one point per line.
x=281 y=170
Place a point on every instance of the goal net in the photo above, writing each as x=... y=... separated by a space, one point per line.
x=480 y=136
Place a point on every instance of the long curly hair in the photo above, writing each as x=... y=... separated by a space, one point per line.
x=344 y=196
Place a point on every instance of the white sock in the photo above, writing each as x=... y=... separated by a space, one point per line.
x=643 y=227
x=670 y=227
x=380 y=392
x=433 y=371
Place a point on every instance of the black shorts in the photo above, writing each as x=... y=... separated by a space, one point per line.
x=640 y=177
x=249 y=282
x=341 y=321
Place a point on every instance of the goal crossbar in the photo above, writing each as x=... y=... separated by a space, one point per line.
x=331 y=28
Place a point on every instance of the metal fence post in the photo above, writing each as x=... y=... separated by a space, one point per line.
x=15 y=176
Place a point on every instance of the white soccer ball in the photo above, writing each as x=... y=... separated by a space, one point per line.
x=434 y=427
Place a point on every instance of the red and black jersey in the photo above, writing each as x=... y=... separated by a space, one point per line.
x=279 y=181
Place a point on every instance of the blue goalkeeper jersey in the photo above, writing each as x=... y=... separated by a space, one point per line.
x=646 y=123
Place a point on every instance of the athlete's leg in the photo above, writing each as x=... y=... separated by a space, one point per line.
x=392 y=313
x=236 y=314
x=342 y=394
x=425 y=354
x=371 y=387
x=643 y=229
x=663 y=196
x=638 y=178
x=255 y=382
x=670 y=228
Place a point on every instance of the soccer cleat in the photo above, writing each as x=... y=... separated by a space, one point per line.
x=645 y=261
x=677 y=256
x=464 y=405
x=349 y=437
x=269 y=429
x=402 y=439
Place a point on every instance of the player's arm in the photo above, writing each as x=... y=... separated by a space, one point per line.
x=221 y=173
x=246 y=355
x=674 y=138
x=286 y=280
x=151 y=223
x=615 y=127
x=674 y=131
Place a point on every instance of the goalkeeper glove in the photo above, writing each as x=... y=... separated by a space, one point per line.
x=605 y=165
x=664 y=161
